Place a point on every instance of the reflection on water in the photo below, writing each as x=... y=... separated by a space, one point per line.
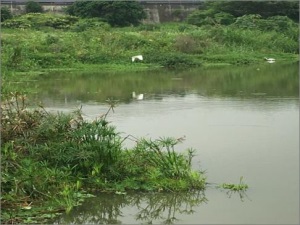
x=273 y=80
x=143 y=207
x=140 y=208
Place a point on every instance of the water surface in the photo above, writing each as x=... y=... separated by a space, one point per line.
x=243 y=121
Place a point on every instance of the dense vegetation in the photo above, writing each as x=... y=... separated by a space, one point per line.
x=52 y=42
x=116 y=13
x=5 y=13
x=33 y=7
x=54 y=158
x=263 y=8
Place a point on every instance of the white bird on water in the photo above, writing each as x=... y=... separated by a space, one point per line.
x=137 y=97
x=137 y=57
x=270 y=60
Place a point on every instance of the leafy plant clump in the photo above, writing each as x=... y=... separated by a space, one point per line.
x=5 y=13
x=33 y=7
x=235 y=187
x=116 y=13
x=40 y=20
x=55 y=158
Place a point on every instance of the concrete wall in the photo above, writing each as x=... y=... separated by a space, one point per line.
x=164 y=12
x=157 y=12
x=18 y=9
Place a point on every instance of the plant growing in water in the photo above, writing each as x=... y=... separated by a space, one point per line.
x=235 y=187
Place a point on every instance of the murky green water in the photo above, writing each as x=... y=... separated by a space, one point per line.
x=242 y=121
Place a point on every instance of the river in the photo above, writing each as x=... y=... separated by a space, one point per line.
x=242 y=121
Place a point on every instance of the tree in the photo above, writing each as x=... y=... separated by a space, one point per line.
x=264 y=8
x=116 y=13
x=5 y=13
x=33 y=7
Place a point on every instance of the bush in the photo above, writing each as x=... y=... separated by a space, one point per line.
x=38 y=20
x=250 y=21
x=224 y=18
x=33 y=7
x=85 y=24
x=201 y=17
x=264 y=8
x=170 y=60
x=116 y=13
x=5 y=14
x=149 y=27
x=210 y=17
x=185 y=44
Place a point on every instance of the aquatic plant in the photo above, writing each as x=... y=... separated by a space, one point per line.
x=235 y=187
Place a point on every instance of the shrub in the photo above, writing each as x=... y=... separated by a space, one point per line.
x=38 y=20
x=185 y=44
x=85 y=24
x=178 y=14
x=250 y=21
x=170 y=60
x=33 y=7
x=149 y=27
x=116 y=13
x=5 y=13
x=224 y=18
x=201 y=17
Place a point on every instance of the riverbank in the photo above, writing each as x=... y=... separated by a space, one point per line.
x=48 y=42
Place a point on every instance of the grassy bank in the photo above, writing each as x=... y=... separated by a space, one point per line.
x=35 y=42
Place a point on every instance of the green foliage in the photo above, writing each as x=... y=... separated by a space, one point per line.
x=90 y=23
x=248 y=21
x=201 y=17
x=170 y=60
x=155 y=165
x=5 y=13
x=225 y=12
x=178 y=15
x=264 y=8
x=116 y=13
x=224 y=18
x=189 y=44
x=38 y=20
x=210 y=17
x=33 y=7
x=92 y=41
x=149 y=27
x=235 y=187
x=275 y=23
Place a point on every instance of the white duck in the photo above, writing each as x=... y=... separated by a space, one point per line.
x=137 y=97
